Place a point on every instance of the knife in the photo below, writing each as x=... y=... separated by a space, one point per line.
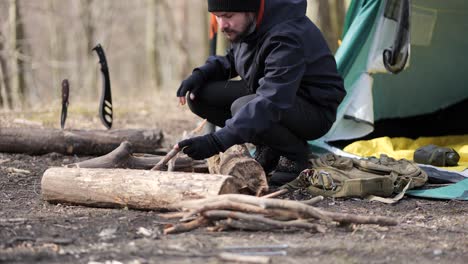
x=105 y=104
x=65 y=94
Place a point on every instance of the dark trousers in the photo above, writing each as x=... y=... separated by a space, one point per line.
x=219 y=101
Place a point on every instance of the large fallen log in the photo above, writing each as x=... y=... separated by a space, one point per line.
x=139 y=189
x=36 y=141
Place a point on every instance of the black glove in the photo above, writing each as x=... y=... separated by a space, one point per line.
x=191 y=84
x=202 y=147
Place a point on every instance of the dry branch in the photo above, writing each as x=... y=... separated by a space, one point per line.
x=175 y=150
x=360 y=219
x=227 y=205
x=184 y=227
x=276 y=194
x=122 y=157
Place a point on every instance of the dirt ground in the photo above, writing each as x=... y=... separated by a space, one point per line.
x=34 y=231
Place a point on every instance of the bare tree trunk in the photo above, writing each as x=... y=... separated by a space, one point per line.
x=16 y=37
x=139 y=189
x=90 y=70
x=184 y=41
x=179 y=41
x=331 y=19
x=2 y=73
x=7 y=96
x=56 y=43
x=152 y=47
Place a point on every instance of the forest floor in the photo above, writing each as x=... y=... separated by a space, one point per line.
x=34 y=231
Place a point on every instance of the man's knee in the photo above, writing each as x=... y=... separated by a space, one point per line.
x=240 y=102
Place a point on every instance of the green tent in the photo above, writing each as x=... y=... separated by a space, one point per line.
x=405 y=70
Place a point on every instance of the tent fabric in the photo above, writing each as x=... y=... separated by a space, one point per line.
x=457 y=191
x=434 y=78
x=403 y=148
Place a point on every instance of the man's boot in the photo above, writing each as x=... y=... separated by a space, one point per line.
x=287 y=170
x=267 y=157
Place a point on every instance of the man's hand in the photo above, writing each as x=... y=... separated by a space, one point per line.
x=202 y=147
x=191 y=84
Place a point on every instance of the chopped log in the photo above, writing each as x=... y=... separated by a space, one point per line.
x=122 y=158
x=139 y=189
x=36 y=141
x=237 y=162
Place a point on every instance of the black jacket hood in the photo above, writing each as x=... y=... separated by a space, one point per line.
x=278 y=11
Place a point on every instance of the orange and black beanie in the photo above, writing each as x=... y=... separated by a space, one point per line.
x=233 y=5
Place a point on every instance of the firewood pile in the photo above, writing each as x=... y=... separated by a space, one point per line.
x=244 y=212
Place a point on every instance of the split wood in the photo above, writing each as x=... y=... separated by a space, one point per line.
x=175 y=150
x=245 y=212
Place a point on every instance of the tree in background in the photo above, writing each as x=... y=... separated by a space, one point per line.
x=17 y=46
x=329 y=16
x=151 y=45
x=5 y=89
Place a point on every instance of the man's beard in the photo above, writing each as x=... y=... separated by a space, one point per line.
x=247 y=31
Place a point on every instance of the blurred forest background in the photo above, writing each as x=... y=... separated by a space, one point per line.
x=151 y=45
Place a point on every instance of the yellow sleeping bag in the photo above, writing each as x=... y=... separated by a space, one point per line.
x=403 y=148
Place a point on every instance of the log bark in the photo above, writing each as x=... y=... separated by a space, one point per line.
x=37 y=141
x=237 y=162
x=138 y=189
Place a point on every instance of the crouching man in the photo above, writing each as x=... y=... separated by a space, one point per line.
x=288 y=93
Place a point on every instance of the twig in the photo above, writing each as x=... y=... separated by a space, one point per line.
x=276 y=194
x=314 y=200
x=171 y=154
x=359 y=219
x=172 y=215
x=184 y=227
x=175 y=150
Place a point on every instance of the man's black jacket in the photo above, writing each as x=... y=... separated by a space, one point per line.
x=285 y=57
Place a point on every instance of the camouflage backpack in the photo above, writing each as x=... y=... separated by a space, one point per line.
x=335 y=176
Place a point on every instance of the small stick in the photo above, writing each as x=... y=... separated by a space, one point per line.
x=276 y=194
x=360 y=219
x=171 y=154
x=314 y=200
x=172 y=215
x=184 y=227
x=175 y=149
